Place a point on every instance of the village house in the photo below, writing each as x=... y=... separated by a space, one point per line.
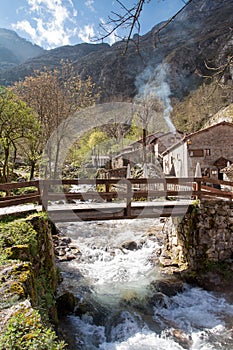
x=211 y=147
x=99 y=161
x=156 y=144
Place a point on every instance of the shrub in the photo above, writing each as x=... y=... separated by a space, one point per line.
x=25 y=331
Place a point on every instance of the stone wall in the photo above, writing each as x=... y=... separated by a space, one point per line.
x=204 y=234
x=28 y=274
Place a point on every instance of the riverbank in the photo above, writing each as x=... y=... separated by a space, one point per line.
x=28 y=284
x=125 y=299
x=106 y=267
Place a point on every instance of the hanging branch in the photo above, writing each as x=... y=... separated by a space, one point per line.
x=220 y=71
x=131 y=19
x=157 y=32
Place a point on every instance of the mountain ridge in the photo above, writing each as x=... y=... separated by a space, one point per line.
x=200 y=36
x=14 y=49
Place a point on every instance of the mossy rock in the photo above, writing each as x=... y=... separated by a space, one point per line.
x=27 y=264
x=66 y=304
x=18 y=252
x=18 y=280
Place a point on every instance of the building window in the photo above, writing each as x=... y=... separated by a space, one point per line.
x=207 y=152
x=196 y=153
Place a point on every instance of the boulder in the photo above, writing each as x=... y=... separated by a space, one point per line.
x=168 y=286
x=65 y=304
x=129 y=245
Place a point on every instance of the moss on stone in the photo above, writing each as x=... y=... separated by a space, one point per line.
x=16 y=233
x=26 y=330
x=18 y=252
x=17 y=288
x=27 y=264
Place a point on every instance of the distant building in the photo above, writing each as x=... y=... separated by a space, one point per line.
x=156 y=144
x=211 y=147
x=99 y=161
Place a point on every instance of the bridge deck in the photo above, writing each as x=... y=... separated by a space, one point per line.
x=115 y=211
x=89 y=211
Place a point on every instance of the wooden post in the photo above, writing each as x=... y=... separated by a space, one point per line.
x=198 y=188
x=107 y=190
x=44 y=195
x=128 y=198
x=40 y=194
x=165 y=188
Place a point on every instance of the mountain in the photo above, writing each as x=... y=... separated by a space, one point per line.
x=15 y=50
x=199 y=37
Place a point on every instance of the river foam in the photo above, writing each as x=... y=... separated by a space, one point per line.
x=116 y=282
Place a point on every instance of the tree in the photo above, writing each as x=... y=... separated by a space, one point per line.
x=29 y=148
x=96 y=138
x=117 y=131
x=95 y=141
x=199 y=106
x=17 y=123
x=148 y=105
x=54 y=96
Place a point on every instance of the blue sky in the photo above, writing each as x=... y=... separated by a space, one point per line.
x=53 y=23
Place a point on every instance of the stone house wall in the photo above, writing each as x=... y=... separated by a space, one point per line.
x=215 y=142
x=211 y=147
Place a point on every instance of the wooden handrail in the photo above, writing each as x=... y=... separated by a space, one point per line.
x=166 y=187
x=16 y=185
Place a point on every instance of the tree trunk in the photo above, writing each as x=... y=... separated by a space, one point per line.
x=32 y=170
x=5 y=170
x=144 y=144
x=56 y=163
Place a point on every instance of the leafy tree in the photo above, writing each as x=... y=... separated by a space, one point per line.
x=17 y=123
x=96 y=138
x=54 y=96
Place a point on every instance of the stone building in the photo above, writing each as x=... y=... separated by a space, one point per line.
x=211 y=147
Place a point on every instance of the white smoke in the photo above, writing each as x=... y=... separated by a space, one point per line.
x=153 y=82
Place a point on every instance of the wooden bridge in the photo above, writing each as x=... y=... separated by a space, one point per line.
x=105 y=199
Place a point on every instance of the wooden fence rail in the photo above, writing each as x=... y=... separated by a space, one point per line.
x=45 y=191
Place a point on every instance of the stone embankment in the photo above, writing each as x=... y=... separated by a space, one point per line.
x=201 y=243
x=205 y=233
x=28 y=283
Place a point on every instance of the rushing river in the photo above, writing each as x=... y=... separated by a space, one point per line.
x=119 y=307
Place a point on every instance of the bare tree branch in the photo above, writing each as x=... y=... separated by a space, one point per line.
x=156 y=34
x=130 y=18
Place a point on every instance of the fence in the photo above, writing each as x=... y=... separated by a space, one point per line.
x=45 y=191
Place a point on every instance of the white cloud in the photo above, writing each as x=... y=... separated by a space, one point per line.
x=26 y=26
x=86 y=33
x=52 y=23
x=89 y=4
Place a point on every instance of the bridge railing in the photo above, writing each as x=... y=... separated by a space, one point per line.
x=16 y=193
x=45 y=191
x=211 y=188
